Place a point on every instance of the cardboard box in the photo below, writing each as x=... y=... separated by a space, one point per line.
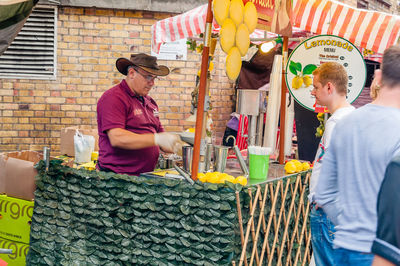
x=19 y=252
x=67 y=138
x=17 y=173
x=16 y=218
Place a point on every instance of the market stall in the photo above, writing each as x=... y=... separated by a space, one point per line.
x=97 y=218
x=89 y=217
x=370 y=31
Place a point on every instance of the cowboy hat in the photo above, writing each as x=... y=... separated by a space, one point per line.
x=146 y=62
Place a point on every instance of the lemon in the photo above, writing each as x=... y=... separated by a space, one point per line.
x=290 y=167
x=209 y=174
x=202 y=177
x=297 y=82
x=226 y=178
x=213 y=178
x=299 y=165
x=307 y=80
x=230 y=178
x=306 y=166
x=241 y=180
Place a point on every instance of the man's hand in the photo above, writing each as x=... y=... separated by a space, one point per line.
x=167 y=142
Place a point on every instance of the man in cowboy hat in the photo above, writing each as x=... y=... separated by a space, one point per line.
x=130 y=131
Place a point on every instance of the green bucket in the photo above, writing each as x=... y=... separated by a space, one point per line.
x=258 y=166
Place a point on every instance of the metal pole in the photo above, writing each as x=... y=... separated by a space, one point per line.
x=283 y=103
x=201 y=96
x=46 y=157
x=252 y=130
x=260 y=128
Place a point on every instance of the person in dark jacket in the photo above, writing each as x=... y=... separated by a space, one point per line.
x=386 y=246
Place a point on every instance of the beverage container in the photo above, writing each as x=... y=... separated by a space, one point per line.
x=220 y=157
x=187 y=158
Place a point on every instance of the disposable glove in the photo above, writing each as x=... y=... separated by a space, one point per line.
x=166 y=141
x=178 y=147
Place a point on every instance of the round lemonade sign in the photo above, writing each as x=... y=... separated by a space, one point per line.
x=315 y=51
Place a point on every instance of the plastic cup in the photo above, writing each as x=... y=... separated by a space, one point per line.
x=258 y=166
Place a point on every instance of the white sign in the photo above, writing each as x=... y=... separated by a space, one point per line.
x=314 y=51
x=172 y=50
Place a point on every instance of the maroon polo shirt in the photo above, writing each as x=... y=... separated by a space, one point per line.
x=119 y=107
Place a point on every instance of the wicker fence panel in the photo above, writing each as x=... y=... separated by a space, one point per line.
x=281 y=234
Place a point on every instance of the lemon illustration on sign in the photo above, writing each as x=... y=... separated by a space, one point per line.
x=307 y=80
x=301 y=74
x=297 y=82
x=290 y=167
x=306 y=166
x=241 y=180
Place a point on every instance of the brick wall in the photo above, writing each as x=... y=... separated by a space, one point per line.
x=32 y=112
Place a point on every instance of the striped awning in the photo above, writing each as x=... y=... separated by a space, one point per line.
x=366 y=29
x=191 y=24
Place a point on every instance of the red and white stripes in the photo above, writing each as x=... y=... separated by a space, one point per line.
x=189 y=24
x=367 y=29
x=185 y=25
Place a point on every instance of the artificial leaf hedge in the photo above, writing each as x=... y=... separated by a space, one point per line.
x=96 y=218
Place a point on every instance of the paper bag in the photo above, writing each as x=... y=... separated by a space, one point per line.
x=17 y=173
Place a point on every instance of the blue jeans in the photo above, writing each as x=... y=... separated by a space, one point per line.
x=350 y=257
x=322 y=235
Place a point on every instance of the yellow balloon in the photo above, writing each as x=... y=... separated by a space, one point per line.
x=236 y=10
x=227 y=35
x=250 y=16
x=233 y=63
x=221 y=10
x=242 y=39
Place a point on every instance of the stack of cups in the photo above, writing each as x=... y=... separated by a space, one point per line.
x=259 y=162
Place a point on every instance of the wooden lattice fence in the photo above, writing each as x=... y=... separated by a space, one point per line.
x=281 y=236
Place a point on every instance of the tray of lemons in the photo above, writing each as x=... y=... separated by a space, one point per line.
x=221 y=178
x=295 y=166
